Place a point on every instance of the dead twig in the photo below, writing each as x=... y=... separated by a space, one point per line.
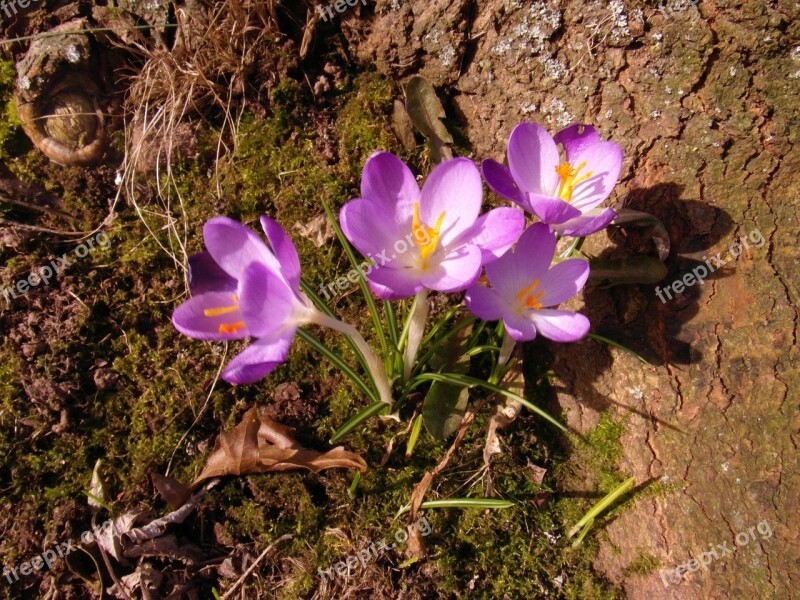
x=267 y=550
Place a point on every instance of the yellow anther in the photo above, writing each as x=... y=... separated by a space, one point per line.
x=425 y=238
x=224 y=310
x=569 y=179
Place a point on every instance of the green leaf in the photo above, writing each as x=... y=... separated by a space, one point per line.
x=414 y=437
x=472 y=382
x=610 y=342
x=460 y=503
x=588 y=519
x=369 y=412
x=426 y=113
x=633 y=269
x=339 y=362
x=446 y=403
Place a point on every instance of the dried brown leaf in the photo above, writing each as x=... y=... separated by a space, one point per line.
x=261 y=445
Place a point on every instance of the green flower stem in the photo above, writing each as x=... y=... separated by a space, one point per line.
x=416 y=328
x=506 y=349
x=374 y=365
x=339 y=362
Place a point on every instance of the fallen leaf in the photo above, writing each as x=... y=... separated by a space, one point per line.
x=261 y=445
x=427 y=112
x=403 y=127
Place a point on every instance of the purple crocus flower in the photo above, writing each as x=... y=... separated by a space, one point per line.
x=242 y=289
x=524 y=286
x=562 y=193
x=430 y=239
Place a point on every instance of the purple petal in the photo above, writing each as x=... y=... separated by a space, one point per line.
x=587 y=224
x=205 y=275
x=369 y=228
x=395 y=284
x=266 y=300
x=576 y=138
x=498 y=178
x=485 y=303
x=519 y=327
x=190 y=318
x=456 y=272
x=284 y=251
x=604 y=160
x=260 y=358
x=387 y=180
x=560 y=325
x=530 y=260
x=563 y=281
x=454 y=188
x=533 y=158
x=234 y=246
x=551 y=210
x=495 y=232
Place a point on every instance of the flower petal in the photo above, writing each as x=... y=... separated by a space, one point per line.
x=267 y=302
x=395 y=284
x=575 y=139
x=604 y=160
x=369 y=228
x=284 y=250
x=205 y=275
x=563 y=281
x=260 y=358
x=454 y=188
x=190 y=318
x=494 y=232
x=552 y=210
x=455 y=272
x=498 y=178
x=533 y=158
x=388 y=181
x=590 y=222
x=560 y=325
x=519 y=327
x=485 y=303
x=234 y=246
x=530 y=260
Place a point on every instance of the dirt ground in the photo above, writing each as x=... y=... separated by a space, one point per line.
x=704 y=98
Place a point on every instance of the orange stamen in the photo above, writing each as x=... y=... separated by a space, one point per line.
x=527 y=298
x=224 y=310
x=231 y=327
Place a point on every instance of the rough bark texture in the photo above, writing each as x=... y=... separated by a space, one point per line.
x=704 y=101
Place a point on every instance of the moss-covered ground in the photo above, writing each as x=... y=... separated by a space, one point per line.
x=91 y=368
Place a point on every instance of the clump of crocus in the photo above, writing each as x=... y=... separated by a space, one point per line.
x=563 y=192
x=241 y=288
x=524 y=287
x=435 y=236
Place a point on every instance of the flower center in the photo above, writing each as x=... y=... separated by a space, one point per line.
x=224 y=310
x=527 y=298
x=426 y=238
x=569 y=179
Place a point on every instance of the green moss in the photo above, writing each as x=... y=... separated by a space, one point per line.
x=643 y=564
